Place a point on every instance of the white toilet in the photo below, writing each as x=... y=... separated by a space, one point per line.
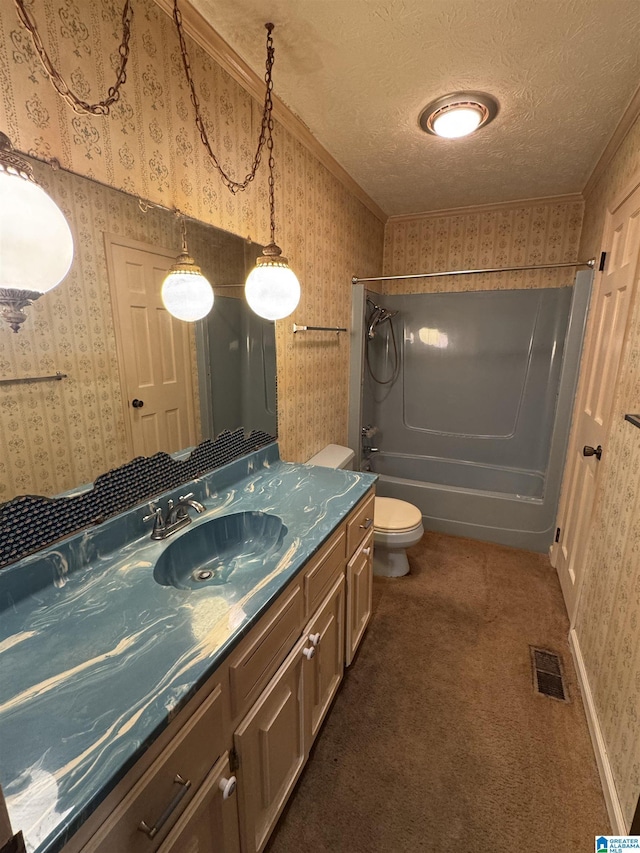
x=397 y=524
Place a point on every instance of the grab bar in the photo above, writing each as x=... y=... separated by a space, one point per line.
x=297 y=328
x=56 y=376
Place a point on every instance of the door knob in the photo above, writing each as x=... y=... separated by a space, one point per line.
x=592 y=451
x=227 y=786
x=137 y=404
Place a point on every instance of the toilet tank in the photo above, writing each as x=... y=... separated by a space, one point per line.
x=333 y=456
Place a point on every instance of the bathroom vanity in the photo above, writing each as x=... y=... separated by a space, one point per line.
x=167 y=718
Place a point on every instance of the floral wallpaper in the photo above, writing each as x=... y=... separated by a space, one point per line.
x=517 y=234
x=608 y=620
x=149 y=146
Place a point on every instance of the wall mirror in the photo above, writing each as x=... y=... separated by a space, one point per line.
x=104 y=329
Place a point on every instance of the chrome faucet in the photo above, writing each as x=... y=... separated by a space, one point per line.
x=176 y=518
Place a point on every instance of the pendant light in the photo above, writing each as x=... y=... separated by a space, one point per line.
x=186 y=293
x=272 y=288
x=36 y=246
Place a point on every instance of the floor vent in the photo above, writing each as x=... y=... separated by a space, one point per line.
x=547 y=674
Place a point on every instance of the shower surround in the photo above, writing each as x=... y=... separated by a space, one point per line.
x=473 y=427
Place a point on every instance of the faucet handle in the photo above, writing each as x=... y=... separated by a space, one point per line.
x=158 y=524
x=153 y=512
x=186 y=497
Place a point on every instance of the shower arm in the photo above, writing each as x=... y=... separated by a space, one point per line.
x=590 y=263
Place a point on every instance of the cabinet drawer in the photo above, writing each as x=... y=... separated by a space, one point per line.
x=359 y=524
x=322 y=571
x=162 y=793
x=260 y=655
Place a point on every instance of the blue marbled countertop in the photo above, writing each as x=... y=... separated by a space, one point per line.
x=96 y=657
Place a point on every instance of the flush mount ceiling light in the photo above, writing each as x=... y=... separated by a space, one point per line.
x=458 y=114
x=36 y=246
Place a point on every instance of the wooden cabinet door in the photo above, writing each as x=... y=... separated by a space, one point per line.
x=272 y=750
x=359 y=590
x=323 y=672
x=210 y=823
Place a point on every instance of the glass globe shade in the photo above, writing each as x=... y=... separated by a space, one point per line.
x=456 y=122
x=187 y=294
x=36 y=246
x=272 y=289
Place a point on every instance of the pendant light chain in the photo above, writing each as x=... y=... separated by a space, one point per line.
x=183 y=231
x=100 y=108
x=266 y=124
x=271 y=164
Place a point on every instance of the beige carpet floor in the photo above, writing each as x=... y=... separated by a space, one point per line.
x=436 y=740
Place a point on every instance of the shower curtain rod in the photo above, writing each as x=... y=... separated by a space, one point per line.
x=590 y=263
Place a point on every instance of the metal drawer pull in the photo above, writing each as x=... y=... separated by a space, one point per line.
x=367 y=523
x=152 y=831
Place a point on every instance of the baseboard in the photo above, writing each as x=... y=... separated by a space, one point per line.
x=612 y=801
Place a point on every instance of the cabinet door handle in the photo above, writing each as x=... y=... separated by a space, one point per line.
x=152 y=831
x=367 y=524
x=227 y=786
x=314 y=639
x=366 y=551
x=309 y=653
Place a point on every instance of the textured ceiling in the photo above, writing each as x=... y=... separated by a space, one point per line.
x=358 y=73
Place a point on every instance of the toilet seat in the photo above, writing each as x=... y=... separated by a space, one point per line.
x=391 y=515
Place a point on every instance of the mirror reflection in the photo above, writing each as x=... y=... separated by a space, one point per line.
x=136 y=380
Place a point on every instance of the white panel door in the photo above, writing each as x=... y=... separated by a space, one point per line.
x=153 y=349
x=615 y=286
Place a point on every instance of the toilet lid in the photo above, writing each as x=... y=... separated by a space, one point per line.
x=390 y=514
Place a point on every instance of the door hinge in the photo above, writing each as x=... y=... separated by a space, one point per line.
x=557 y=534
x=234 y=761
x=603 y=261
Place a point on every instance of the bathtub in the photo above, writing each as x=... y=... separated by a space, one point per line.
x=467 y=476
x=484 y=502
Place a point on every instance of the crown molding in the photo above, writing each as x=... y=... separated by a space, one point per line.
x=622 y=129
x=486 y=208
x=201 y=31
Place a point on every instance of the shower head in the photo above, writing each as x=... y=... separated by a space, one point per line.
x=385 y=314
x=378 y=315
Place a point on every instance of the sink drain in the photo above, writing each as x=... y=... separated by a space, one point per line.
x=202 y=575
